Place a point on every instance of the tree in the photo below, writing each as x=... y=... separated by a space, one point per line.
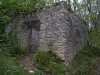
x=88 y=10
x=23 y=6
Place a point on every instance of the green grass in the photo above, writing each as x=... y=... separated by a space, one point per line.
x=85 y=61
x=14 y=68
x=10 y=67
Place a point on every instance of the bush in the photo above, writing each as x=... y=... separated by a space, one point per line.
x=83 y=62
x=14 y=49
x=49 y=62
x=10 y=67
x=11 y=47
x=94 y=37
x=2 y=69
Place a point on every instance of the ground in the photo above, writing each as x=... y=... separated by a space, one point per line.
x=27 y=61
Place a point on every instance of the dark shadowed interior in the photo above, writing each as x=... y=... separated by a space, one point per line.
x=35 y=24
x=33 y=36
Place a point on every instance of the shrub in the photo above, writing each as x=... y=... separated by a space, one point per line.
x=2 y=69
x=83 y=62
x=94 y=37
x=49 y=62
x=11 y=46
x=14 y=49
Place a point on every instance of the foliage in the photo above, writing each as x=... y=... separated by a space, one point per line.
x=4 y=19
x=3 y=22
x=14 y=68
x=83 y=62
x=87 y=9
x=91 y=17
x=10 y=67
x=49 y=62
x=15 y=50
x=2 y=63
x=37 y=73
x=24 y=6
x=11 y=8
x=12 y=49
x=17 y=5
x=94 y=37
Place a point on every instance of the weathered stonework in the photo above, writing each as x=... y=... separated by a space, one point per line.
x=56 y=25
x=27 y=28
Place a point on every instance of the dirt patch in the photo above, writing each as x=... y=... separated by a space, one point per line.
x=27 y=62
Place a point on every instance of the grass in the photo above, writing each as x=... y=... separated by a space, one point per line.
x=10 y=66
x=85 y=61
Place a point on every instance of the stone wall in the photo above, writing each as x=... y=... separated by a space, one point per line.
x=54 y=28
x=26 y=29
x=64 y=29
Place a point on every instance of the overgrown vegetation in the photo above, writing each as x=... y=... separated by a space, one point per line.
x=48 y=62
x=9 y=9
x=85 y=61
x=11 y=47
x=10 y=67
x=8 y=50
x=94 y=37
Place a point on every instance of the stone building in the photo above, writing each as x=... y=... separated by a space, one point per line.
x=54 y=28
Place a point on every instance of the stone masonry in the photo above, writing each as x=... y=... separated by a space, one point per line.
x=54 y=28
